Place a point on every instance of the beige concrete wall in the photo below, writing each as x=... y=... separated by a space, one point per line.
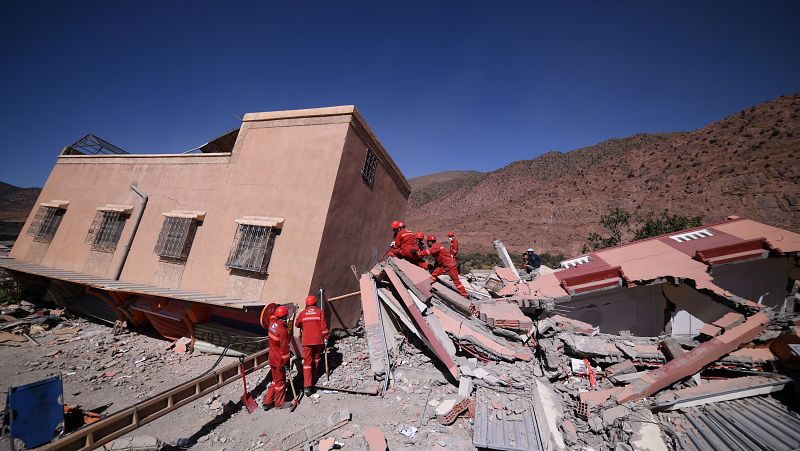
x=357 y=230
x=282 y=171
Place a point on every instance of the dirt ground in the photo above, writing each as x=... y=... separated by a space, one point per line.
x=102 y=369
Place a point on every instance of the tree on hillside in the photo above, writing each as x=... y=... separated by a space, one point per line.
x=617 y=224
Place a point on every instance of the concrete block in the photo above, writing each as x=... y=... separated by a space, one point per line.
x=613 y=414
x=710 y=330
x=618 y=369
x=506 y=315
x=480 y=373
x=465 y=386
x=596 y=424
x=467 y=371
x=573 y=325
x=671 y=348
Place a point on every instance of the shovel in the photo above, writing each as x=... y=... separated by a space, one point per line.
x=247 y=398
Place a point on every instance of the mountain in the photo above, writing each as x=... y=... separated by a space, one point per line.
x=16 y=203
x=747 y=164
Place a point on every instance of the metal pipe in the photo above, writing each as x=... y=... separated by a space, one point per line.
x=136 y=221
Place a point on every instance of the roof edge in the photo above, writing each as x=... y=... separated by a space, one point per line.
x=308 y=112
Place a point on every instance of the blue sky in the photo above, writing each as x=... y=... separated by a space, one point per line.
x=446 y=86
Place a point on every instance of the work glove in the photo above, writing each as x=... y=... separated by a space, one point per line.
x=391 y=244
x=325 y=342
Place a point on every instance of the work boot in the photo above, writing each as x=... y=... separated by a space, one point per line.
x=308 y=391
x=267 y=407
x=285 y=405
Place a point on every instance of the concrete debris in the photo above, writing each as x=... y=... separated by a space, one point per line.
x=314 y=431
x=375 y=439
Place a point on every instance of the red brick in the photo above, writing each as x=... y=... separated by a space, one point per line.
x=710 y=330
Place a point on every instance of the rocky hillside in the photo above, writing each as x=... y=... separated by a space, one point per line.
x=15 y=202
x=747 y=164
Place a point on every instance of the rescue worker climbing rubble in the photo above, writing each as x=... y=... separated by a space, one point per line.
x=445 y=264
x=405 y=245
x=278 y=360
x=421 y=247
x=314 y=336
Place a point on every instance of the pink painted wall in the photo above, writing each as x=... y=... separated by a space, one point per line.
x=299 y=165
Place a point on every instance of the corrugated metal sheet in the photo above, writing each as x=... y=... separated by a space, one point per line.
x=220 y=335
x=757 y=423
x=505 y=424
x=116 y=285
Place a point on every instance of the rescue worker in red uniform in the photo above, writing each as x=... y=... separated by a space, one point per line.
x=453 y=244
x=445 y=264
x=405 y=245
x=421 y=247
x=314 y=335
x=278 y=360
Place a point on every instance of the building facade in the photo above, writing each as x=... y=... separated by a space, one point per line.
x=267 y=213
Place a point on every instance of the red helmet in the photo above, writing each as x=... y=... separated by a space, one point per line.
x=420 y=236
x=397 y=224
x=281 y=311
x=431 y=237
x=311 y=300
x=451 y=233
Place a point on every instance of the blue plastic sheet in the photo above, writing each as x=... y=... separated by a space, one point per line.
x=36 y=411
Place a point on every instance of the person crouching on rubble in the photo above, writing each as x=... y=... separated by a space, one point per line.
x=278 y=360
x=405 y=245
x=445 y=264
x=531 y=263
x=314 y=336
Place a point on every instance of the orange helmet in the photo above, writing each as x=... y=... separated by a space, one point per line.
x=397 y=224
x=420 y=236
x=451 y=233
x=311 y=300
x=431 y=237
x=281 y=311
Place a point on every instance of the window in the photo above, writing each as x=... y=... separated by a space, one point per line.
x=370 y=164
x=46 y=222
x=176 y=237
x=252 y=245
x=106 y=229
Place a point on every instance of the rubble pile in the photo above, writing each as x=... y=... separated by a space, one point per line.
x=529 y=377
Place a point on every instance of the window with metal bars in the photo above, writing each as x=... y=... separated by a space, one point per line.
x=175 y=239
x=370 y=165
x=45 y=223
x=252 y=248
x=105 y=230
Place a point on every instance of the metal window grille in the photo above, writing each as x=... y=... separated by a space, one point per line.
x=105 y=230
x=45 y=223
x=176 y=237
x=370 y=165
x=252 y=248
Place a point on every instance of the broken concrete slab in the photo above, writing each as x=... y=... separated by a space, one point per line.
x=646 y=435
x=506 y=315
x=729 y=320
x=573 y=325
x=696 y=359
x=436 y=345
x=547 y=404
x=453 y=299
x=375 y=439
x=613 y=414
x=618 y=369
x=502 y=252
x=394 y=305
x=710 y=330
x=471 y=332
x=506 y=274
x=373 y=331
x=414 y=275
x=721 y=390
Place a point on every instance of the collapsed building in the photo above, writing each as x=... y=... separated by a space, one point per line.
x=266 y=213
x=667 y=343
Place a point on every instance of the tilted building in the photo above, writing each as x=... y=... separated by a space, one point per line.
x=269 y=212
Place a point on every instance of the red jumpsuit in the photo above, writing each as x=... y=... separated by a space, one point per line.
x=404 y=243
x=421 y=263
x=313 y=326
x=278 y=359
x=445 y=264
x=454 y=248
